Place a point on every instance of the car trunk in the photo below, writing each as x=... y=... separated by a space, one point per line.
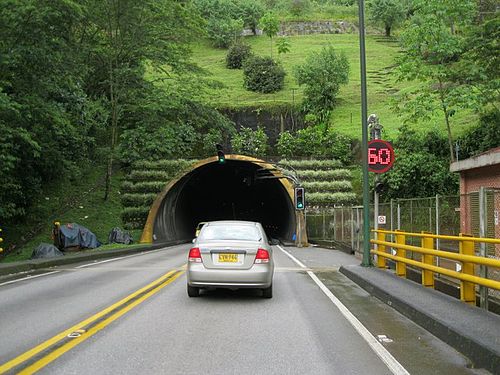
x=229 y=255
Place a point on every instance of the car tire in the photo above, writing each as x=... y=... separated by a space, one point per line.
x=268 y=292
x=193 y=291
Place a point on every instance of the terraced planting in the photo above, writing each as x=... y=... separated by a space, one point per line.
x=326 y=182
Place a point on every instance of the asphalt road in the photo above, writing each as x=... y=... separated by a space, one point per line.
x=305 y=328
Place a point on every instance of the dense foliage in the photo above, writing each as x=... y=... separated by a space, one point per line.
x=322 y=74
x=263 y=74
x=237 y=54
x=450 y=49
x=73 y=90
x=422 y=168
x=315 y=142
x=250 y=142
x=388 y=13
x=482 y=137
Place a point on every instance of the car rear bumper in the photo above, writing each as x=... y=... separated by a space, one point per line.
x=259 y=276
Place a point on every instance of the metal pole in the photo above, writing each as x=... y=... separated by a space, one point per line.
x=352 y=229
x=437 y=227
x=483 y=270
x=364 y=115
x=399 y=216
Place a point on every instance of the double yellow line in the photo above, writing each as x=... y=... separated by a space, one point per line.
x=48 y=351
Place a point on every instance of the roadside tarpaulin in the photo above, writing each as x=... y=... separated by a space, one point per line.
x=46 y=250
x=75 y=235
x=119 y=236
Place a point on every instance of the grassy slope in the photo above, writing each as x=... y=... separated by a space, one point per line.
x=382 y=85
x=80 y=202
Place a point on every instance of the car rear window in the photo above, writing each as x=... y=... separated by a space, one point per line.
x=230 y=232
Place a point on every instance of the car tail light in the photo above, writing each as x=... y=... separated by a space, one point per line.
x=194 y=255
x=262 y=256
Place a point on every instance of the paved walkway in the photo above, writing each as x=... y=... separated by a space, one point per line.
x=472 y=331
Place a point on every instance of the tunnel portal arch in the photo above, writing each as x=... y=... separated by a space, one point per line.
x=241 y=188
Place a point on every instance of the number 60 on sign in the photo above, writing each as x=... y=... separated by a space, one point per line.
x=380 y=156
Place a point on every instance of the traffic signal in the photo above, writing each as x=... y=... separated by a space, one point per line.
x=220 y=154
x=300 y=199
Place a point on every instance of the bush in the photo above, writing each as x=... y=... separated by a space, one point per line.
x=330 y=198
x=172 y=166
x=336 y=174
x=138 y=200
x=313 y=141
x=327 y=186
x=250 y=142
x=143 y=187
x=150 y=176
x=263 y=74
x=237 y=55
x=310 y=164
x=135 y=215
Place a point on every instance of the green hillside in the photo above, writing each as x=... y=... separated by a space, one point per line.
x=382 y=86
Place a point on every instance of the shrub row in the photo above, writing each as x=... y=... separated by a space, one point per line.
x=149 y=175
x=311 y=164
x=330 y=198
x=335 y=174
x=173 y=166
x=327 y=186
x=143 y=187
x=137 y=199
x=135 y=214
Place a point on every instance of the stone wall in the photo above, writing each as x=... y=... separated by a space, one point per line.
x=316 y=27
x=310 y=27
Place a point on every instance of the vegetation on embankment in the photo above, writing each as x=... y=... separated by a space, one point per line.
x=346 y=117
x=71 y=201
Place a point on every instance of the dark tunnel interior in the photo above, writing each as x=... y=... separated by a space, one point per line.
x=234 y=190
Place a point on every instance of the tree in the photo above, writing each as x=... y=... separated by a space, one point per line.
x=431 y=47
x=128 y=35
x=250 y=142
x=250 y=11
x=389 y=13
x=322 y=74
x=270 y=25
x=283 y=45
x=263 y=74
x=45 y=135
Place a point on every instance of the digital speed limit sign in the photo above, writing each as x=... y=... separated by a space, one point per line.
x=380 y=156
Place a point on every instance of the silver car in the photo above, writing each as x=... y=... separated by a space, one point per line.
x=230 y=254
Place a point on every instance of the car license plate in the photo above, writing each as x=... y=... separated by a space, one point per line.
x=228 y=258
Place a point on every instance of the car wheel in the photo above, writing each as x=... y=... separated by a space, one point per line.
x=267 y=292
x=193 y=291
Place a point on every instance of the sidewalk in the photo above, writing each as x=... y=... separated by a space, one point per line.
x=472 y=331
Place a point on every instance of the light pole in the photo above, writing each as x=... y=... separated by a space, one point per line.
x=364 y=142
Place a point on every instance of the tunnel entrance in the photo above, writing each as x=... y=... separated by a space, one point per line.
x=234 y=190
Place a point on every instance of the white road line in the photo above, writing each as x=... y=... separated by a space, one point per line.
x=119 y=258
x=82 y=266
x=386 y=357
x=29 y=277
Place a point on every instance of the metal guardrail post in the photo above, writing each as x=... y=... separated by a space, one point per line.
x=483 y=270
x=428 y=276
x=400 y=266
x=467 y=289
x=381 y=261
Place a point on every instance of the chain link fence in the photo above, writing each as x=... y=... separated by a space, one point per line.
x=477 y=214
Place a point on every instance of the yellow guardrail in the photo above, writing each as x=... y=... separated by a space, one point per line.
x=466 y=256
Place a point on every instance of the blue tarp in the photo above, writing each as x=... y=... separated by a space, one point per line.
x=46 y=250
x=76 y=235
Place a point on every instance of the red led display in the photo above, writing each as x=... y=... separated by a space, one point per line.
x=380 y=156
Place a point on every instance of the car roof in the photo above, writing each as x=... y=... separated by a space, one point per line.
x=233 y=222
